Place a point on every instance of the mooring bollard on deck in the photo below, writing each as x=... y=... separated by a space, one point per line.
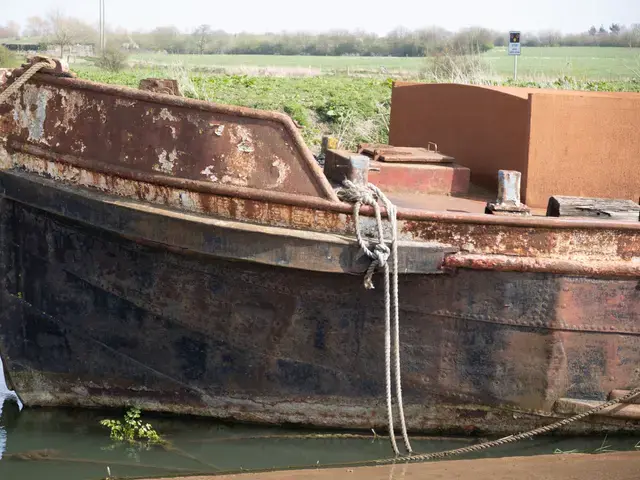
x=508 y=201
x=340 y=165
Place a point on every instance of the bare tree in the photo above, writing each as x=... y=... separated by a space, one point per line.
x=631 y=35
x=65 y=31
x=203 y=35
x=550 y=38
x=36 y=27
x=10 y=30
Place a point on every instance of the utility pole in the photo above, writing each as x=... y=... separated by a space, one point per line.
x=103 y=35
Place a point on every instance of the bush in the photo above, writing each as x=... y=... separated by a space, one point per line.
x=298 y=113
x=112 y=60
x=7 y=58
x=453 y=67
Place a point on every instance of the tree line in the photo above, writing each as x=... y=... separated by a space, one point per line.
x=63 y=31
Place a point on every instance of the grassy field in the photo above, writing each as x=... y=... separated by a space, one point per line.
x=592 y=63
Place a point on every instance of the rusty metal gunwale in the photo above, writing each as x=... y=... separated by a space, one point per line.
x=449 y=263
x=512 y=263
x=168 y=181
x=317 y=175
x=263 y=244
x=319 y=203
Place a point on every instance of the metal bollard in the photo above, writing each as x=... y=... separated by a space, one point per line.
x=508 y=201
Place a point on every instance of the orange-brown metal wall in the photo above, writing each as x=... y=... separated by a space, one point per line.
x=584 y=145
x=485 y=130
x=564 y=143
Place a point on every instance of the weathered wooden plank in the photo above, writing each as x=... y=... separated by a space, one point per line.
x=605 y=208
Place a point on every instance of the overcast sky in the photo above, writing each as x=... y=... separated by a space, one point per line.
x=377 y=16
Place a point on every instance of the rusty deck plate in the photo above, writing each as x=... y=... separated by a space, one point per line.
x=389 y=153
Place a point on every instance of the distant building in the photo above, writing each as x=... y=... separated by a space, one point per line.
x=23 y=47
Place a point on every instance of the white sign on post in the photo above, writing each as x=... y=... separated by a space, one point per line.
x=514 y=49
x=514 y=43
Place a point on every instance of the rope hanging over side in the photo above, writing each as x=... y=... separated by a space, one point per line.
x=24 y=78
x=379 y=255
x=514 y=438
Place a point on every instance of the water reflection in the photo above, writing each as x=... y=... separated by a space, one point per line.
x=3 y=432
x=9 y=403
x=70 y=444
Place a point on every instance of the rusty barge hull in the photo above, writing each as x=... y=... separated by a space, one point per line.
x=130 y=276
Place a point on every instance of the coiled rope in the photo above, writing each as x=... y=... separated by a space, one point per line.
x=370 y=195
x=24 y=78
x=379 y=255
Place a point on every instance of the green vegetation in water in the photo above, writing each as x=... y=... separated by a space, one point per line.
x=603 y=448
x=132 y=430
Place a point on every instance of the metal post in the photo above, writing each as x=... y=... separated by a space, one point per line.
x=100 y=25
x=508 y=201
x=515 y=68
x=104 y=29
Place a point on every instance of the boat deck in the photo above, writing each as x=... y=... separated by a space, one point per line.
x=619 y=466
x=473 y=202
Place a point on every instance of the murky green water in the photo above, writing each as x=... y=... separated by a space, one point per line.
x=63 y=444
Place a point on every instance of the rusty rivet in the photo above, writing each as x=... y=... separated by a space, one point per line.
x=564 y=305
x=565 y=289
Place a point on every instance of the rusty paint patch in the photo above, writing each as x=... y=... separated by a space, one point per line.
x=30 y=113
x=167 y=162
x=166 y=115
x=282 y=170
x=5 y=159
x=208 y=172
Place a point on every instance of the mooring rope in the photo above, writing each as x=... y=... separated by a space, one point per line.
x=369 y=195
x=513 y=438
x=24 y=78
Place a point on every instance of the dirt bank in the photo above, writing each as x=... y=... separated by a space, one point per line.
x=618 y=466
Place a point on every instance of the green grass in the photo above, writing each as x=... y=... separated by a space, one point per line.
x=592 y=63
x=602 y=63
x=282 y=61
